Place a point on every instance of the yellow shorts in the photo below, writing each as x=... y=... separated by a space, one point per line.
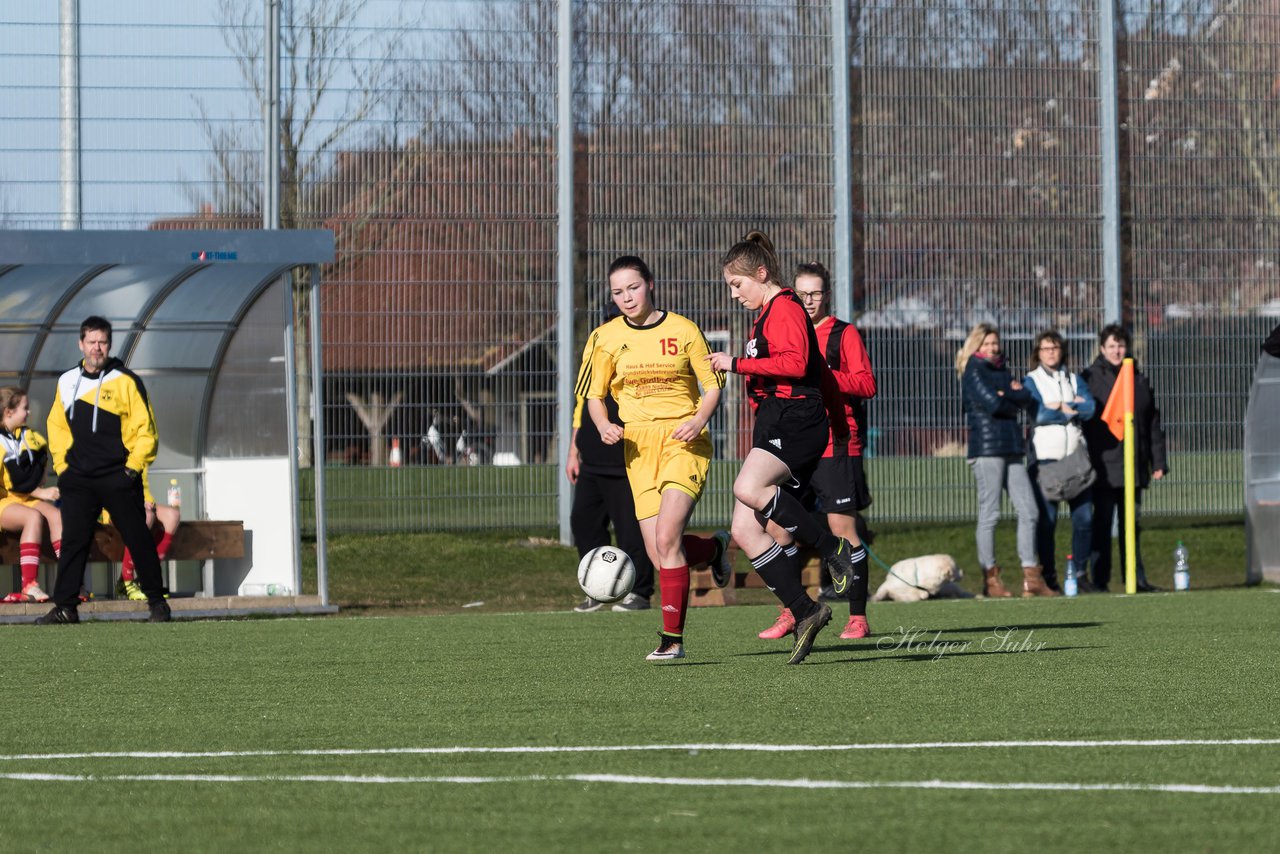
x=656 y=463
x=11 y=498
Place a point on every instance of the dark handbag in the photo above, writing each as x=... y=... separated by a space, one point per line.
x=1064 y=479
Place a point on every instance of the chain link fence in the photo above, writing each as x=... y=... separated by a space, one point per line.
x=424 y=135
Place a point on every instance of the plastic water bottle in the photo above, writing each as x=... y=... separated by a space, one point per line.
x=175 y=493
x=1181 y=568
x=265 y=590
x=1069 y=584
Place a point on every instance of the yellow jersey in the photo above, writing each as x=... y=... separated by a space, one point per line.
x=653 y=372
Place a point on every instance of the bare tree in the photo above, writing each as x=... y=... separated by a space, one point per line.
x=335 y=67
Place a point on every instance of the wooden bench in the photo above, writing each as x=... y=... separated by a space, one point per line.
x=703 y=591
x=194 y=540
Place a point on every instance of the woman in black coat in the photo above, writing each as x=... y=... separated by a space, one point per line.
x=993 y=401
x=1107 y=452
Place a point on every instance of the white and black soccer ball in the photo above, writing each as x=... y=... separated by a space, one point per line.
x=606 y=574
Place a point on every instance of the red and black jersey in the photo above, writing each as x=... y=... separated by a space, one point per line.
x=783 y=358
x=846 y=355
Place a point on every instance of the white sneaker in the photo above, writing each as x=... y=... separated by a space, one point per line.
x=632 y=602
x=34 y=594
x=669 y=649
x=586 y=606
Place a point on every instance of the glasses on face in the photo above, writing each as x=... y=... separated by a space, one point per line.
x=810 y=296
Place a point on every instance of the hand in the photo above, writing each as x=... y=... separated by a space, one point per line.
x=611 y=434
x=1055 y=405
x=688 y=431
x=1067 y=410
x=1158 y=474
x=573 y=466
x=47 y=493
x=1015 y=385
x=720 y=361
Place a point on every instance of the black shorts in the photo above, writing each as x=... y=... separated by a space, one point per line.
x=794 y=431
x=838 y=485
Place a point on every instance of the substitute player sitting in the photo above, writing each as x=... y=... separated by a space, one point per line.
x=654 y=362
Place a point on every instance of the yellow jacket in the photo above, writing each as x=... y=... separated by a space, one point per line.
x=101 y=423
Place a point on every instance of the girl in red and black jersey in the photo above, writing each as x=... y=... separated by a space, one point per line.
x=790 y=387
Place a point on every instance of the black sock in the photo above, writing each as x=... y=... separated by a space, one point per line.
x=858 y=589
x=778 y=571
x=787 y=511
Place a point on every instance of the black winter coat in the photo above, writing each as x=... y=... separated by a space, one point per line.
x=1105 y=450
x=991 y=409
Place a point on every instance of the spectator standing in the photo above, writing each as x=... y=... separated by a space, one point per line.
x=993 y=402
x=102 y=435
x=26 y=507
x=1063 y=405
x=601 y=495
x=1107 y=452
x=839 y=483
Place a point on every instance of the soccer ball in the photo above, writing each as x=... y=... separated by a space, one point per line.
x=606 y=574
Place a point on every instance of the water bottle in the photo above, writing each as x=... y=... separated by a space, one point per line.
x=265 y=590
x=1181 y=568
x=1069 y=585
x=175 y=493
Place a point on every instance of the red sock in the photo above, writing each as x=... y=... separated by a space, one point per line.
x=57 y=548
x=126 y=567
x=162 y=544
x=698 y=550
x=29 y=560
x=674 y=583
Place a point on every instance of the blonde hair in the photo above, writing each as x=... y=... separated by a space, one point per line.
x=9 y=397
x=749 y=254
x=972 y=343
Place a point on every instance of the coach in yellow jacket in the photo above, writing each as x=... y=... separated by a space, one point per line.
x=102 y=435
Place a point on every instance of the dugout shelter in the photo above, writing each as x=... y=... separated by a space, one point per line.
x=220 y=326
x=1262 y=471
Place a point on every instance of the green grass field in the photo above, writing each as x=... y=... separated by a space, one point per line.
x=443 y=498
x=412 y=732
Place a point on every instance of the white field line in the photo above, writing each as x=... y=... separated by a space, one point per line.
x=623 y=779
x=745 y=748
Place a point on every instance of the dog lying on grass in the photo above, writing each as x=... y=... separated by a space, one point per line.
x=918 y=578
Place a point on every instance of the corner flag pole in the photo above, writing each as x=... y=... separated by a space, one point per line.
x=1118 y=416
x=1130 y=497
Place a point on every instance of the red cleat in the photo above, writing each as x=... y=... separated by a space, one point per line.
x=785 y=625
x=856 y=628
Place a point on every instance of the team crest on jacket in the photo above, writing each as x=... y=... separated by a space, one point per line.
x=751 y=349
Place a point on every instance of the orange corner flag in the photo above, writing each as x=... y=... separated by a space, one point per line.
x=1120 y=403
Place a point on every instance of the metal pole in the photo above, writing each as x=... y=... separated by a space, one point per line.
x=565 y=373
x=69 y=97
x=842 y=239
x=317 y=438
x=1109 y=166
x=271 y=119
x=291 y=422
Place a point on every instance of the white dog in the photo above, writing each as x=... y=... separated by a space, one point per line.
x=918 y=578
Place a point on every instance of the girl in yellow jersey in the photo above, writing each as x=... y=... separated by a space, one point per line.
x=25 y=506
x=653 y=362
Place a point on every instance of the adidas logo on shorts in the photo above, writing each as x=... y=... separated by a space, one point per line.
x=777 y=443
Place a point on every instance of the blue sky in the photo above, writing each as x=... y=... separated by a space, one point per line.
x=147 y=67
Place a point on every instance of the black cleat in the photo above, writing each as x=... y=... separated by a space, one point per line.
x=840 y=568
x=806 y=630
x=60 y=615
x=160 y=612
x=721 y=565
